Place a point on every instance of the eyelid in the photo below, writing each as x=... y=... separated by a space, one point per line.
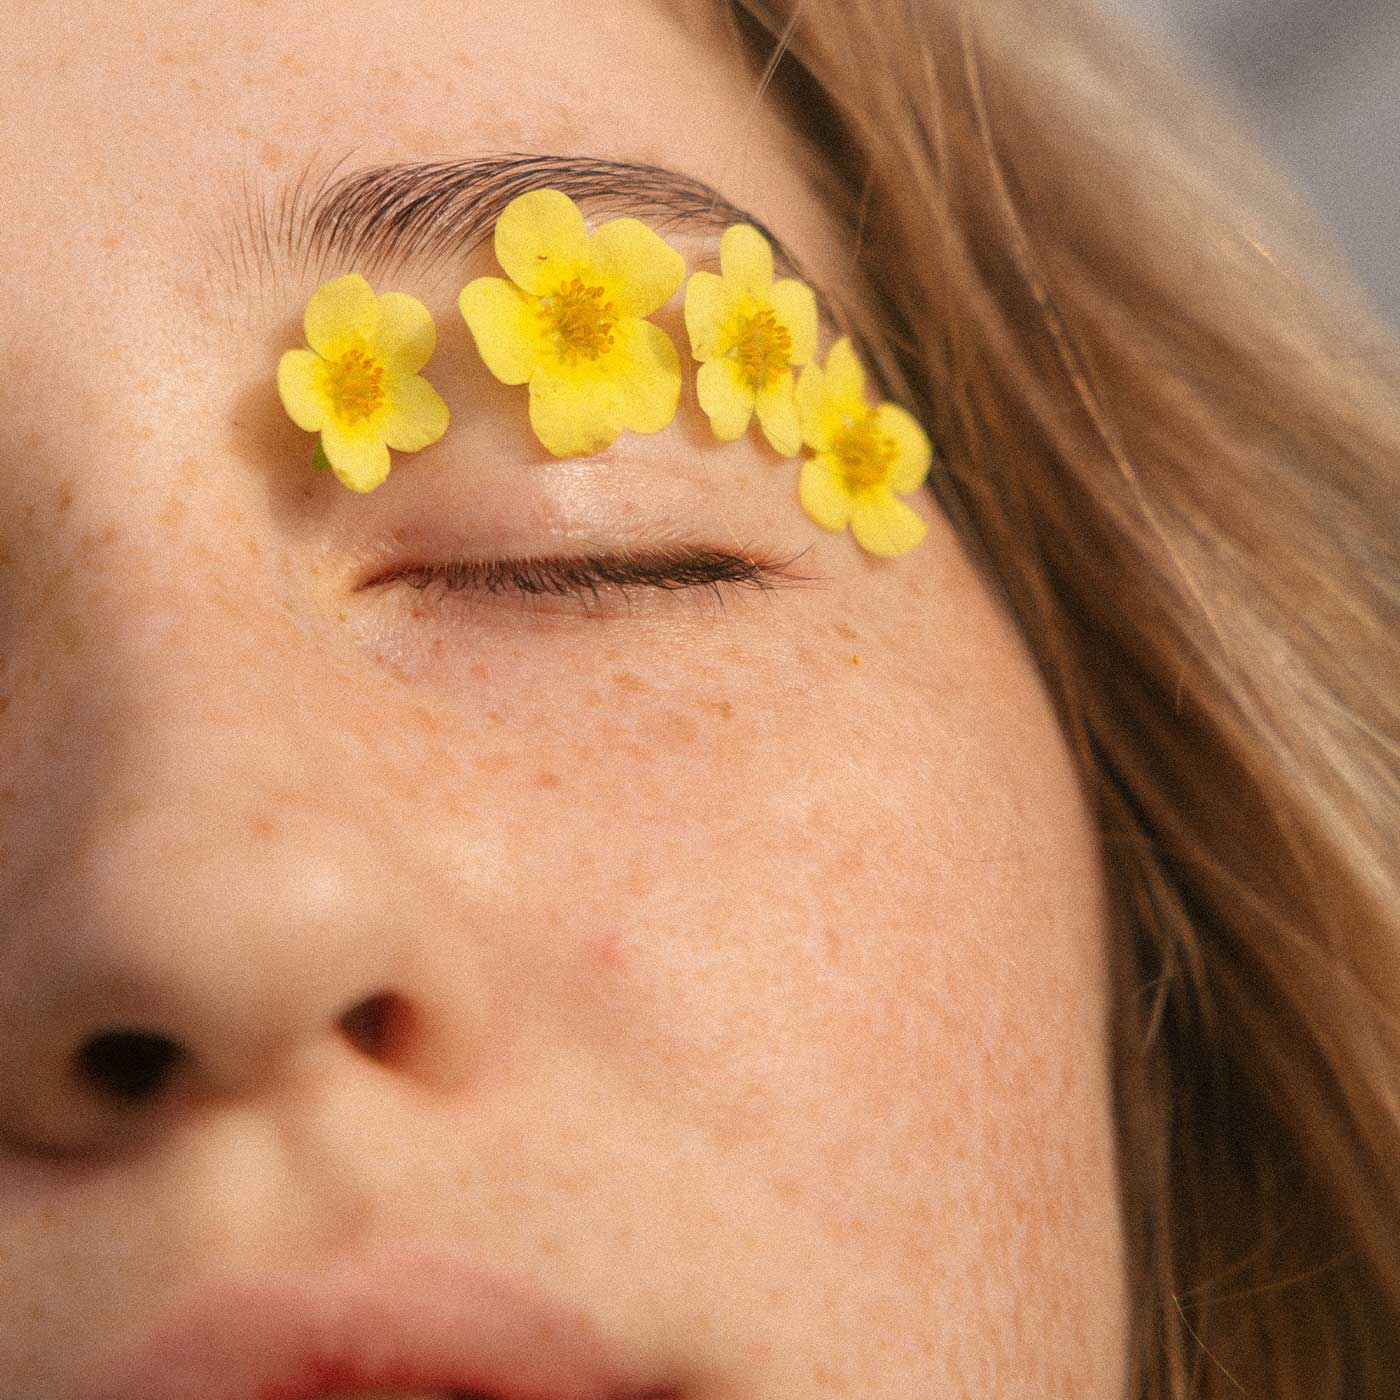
x=593 y=581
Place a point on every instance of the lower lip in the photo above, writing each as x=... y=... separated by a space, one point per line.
x=412 y=1324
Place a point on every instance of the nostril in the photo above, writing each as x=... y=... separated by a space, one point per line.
x=133 y=1066
x=376 y=1025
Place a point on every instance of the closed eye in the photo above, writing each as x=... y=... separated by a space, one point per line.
x=596 y=581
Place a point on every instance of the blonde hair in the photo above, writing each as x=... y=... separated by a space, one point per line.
x=1169 y=432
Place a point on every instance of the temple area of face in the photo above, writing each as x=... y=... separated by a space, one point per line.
x=434 y=215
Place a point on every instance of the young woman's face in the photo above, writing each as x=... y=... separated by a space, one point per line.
x=725 y=974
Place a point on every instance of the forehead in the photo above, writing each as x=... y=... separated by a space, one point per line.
x=260 y=93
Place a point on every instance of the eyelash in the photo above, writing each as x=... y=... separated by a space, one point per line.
x=593 y=581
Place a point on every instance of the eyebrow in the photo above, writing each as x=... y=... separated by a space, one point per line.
x=435 y=214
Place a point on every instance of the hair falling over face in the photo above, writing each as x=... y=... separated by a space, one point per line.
x=1167 y=427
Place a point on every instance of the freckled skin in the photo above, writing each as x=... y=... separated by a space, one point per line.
x=748 y=960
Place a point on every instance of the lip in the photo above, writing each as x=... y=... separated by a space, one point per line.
x=409 y=1322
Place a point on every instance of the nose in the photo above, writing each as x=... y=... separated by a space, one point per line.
x=206 y=896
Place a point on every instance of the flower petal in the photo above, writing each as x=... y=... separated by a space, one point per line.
x=795 y=305
x=706 y=309
x=914 y=452
x=777 y=415
x=725 y=397
x=811 y=396
x=639 y=269
x=845 y=375
x=339 y=311
x=505 y=323
x=359 y=459
x=884 y=525
x=823 y=493
x=646 y=371
x=540 y=239
x=418 y=417
x=574 y=415
x=746 y=260
x=299 y=375
x=405 y=335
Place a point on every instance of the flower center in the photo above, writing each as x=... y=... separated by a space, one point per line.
x=865 y=453
x=579 y=320
x=354 y=383
x=762 y=346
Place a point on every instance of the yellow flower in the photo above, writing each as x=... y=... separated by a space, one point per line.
x=750 y=332
x=358 y=385
x=570 y=322
x=864 y=457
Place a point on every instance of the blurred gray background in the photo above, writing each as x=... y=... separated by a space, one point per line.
x=1322 y=78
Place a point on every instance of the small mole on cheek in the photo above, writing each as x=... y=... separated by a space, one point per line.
x=63 y=498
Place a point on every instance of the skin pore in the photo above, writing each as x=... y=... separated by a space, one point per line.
x=745 y=955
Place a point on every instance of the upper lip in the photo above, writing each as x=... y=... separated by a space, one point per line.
x=406 y=1321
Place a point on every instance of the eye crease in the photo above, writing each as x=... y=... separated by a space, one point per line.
x=600 y=578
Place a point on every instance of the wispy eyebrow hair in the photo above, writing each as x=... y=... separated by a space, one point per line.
x=435 y=214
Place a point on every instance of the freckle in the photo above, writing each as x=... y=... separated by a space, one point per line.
x=855 y=661
x=68 y=632
x=264 y=827
x=293 y=65
x=428 y=721
x=253 y=548
x=832 y=939
x=110 y=242
x=480 y=671
x=92 y=540
x=59 y=581
x=547 y=780
x=173 y=511
x=190 y=468
x=63 y=498
x=4 y=703
x=32 y=441
x=625 y=680
x=606 y=948
x=845 y=632
x=494 y=717
x=167 y=56
x=722 y=708
x=499 y=762
x=789 y=1192
x=194 y=85
x=678 y=729
x=272 y=155
x=6 y=559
